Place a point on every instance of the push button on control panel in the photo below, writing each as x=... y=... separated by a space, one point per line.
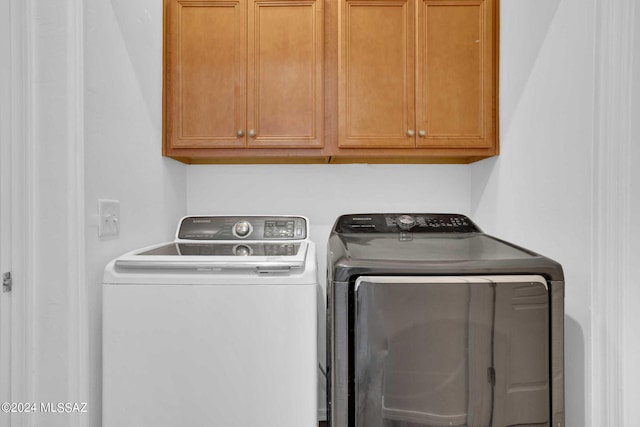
x=406 y=222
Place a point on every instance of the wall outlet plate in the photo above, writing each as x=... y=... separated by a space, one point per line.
x=108 y=217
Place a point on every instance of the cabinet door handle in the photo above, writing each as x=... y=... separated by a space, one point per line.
x=240 y=133
x=422 y=133
x=252 y=133
x=410 y=132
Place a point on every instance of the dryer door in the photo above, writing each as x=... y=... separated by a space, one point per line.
x=451 y=351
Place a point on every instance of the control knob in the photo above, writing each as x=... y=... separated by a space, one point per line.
x=406 y=222
x=242 y=229
x=242 y=250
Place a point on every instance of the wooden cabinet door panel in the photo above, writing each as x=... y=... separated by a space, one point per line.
x=455 y=84
x=376 y=73
x=285 y=105
x=206 y=90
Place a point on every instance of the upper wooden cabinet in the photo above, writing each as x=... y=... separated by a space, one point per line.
x=456 y=85
x=206 y=68
x=315 y=81
x=243 y=74
x=377 y=76
x=417 y=74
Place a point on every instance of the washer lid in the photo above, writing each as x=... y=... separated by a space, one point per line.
x=261 y=257
x=434 y=244
x=431 y=248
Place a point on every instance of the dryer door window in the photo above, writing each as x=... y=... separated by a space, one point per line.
x=450 y=351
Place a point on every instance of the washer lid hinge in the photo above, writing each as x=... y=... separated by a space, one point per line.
x=7 y=282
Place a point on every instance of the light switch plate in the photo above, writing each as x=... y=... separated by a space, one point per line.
x=108 y=217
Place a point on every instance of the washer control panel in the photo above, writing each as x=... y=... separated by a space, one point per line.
x=404 y=223
x=243 y=228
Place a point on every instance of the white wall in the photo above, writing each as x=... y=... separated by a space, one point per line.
x=123 y=119
x=538 y=192
x=631 y=320
x=323 y=192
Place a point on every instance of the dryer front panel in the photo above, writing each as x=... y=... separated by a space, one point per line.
x=449 y=351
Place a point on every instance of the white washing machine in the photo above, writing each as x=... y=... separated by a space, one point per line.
x=218 y=328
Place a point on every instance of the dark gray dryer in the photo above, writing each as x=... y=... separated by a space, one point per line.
x=431 y=322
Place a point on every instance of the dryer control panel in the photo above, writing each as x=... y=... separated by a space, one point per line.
x=403 y=223
x=242 y=228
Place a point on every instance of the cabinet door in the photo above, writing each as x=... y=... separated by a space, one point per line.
x=205 y=73
x=456 y=76
x=285 y=73
x=376 y=73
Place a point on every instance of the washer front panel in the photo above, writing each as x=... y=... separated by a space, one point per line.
x=441 y=350
x=224 y=355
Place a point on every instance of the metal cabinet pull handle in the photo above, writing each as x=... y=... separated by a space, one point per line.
x=252 y=133
x=410 y=132
x=240 y=133
x=422 y=133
